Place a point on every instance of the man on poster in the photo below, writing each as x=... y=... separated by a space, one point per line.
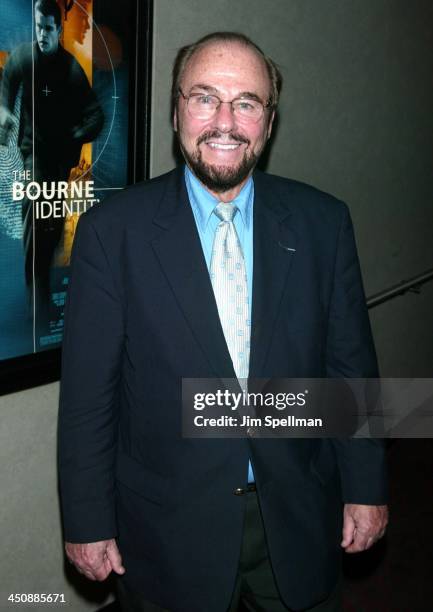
x=214 y=270
x=59 y=113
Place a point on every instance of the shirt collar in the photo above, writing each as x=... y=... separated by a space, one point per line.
x=203 y=202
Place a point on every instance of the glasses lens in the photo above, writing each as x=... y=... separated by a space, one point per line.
x=248 y=110
x=202 y=106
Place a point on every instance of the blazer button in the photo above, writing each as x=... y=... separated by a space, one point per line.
x=239 y=491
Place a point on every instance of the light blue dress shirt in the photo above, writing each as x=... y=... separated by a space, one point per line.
x=203 y=204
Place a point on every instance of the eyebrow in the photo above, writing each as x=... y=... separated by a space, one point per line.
x=213 y=90
x=204 y=87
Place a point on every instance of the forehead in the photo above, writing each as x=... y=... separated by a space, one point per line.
x=45 y=20
x=231 y=67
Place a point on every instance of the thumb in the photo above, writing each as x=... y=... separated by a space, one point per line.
x=348 y=531
x=114 y=557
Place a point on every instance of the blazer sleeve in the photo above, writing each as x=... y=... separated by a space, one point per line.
x=89 y=394
x=350 y=353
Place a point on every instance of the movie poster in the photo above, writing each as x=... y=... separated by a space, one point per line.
x=64 y=86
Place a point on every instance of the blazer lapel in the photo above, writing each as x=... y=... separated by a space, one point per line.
x=180 y=254
x=274 y=250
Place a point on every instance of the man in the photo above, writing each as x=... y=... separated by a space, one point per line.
x=59 y=113
x=194 y=525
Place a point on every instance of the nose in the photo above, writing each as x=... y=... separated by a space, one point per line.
x=224 y=119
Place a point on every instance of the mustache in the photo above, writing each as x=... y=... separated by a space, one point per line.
x=234 y=137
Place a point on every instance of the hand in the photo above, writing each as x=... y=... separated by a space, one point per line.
x=7 y=121
x=95 y=560
x=363 y=526
x=77 y=132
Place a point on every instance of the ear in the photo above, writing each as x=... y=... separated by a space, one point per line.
x=175 y=119
x=271 y=121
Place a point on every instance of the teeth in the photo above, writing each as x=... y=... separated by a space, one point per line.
x=216 y=145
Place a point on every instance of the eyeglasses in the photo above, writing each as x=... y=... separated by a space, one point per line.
x=204 y=106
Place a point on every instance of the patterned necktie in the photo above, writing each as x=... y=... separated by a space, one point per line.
x=229 y=281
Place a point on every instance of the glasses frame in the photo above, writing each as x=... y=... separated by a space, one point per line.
x=193 y=95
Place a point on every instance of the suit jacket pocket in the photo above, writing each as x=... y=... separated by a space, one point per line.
x=134 y=475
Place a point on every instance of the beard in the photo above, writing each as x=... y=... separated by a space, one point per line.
x=220 y=178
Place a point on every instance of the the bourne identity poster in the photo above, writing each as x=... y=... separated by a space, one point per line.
x=64 y=86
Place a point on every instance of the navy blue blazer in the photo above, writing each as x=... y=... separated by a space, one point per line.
x=140 y=316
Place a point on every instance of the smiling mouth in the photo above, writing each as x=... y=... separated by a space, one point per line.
x=223 y=147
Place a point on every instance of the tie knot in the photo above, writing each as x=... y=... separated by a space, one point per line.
x=225 y=212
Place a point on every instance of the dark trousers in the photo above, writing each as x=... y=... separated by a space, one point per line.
x=41 y=236
x=255 y=589
x=40 y=240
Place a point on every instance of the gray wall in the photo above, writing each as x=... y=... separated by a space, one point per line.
x=355 y=120
x=30 y=533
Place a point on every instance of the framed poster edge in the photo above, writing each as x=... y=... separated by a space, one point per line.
x=35 y=369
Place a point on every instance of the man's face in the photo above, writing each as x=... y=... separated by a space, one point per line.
x=223 y=150
x=47 y=33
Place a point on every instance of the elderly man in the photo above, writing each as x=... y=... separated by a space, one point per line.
x=214 y=270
